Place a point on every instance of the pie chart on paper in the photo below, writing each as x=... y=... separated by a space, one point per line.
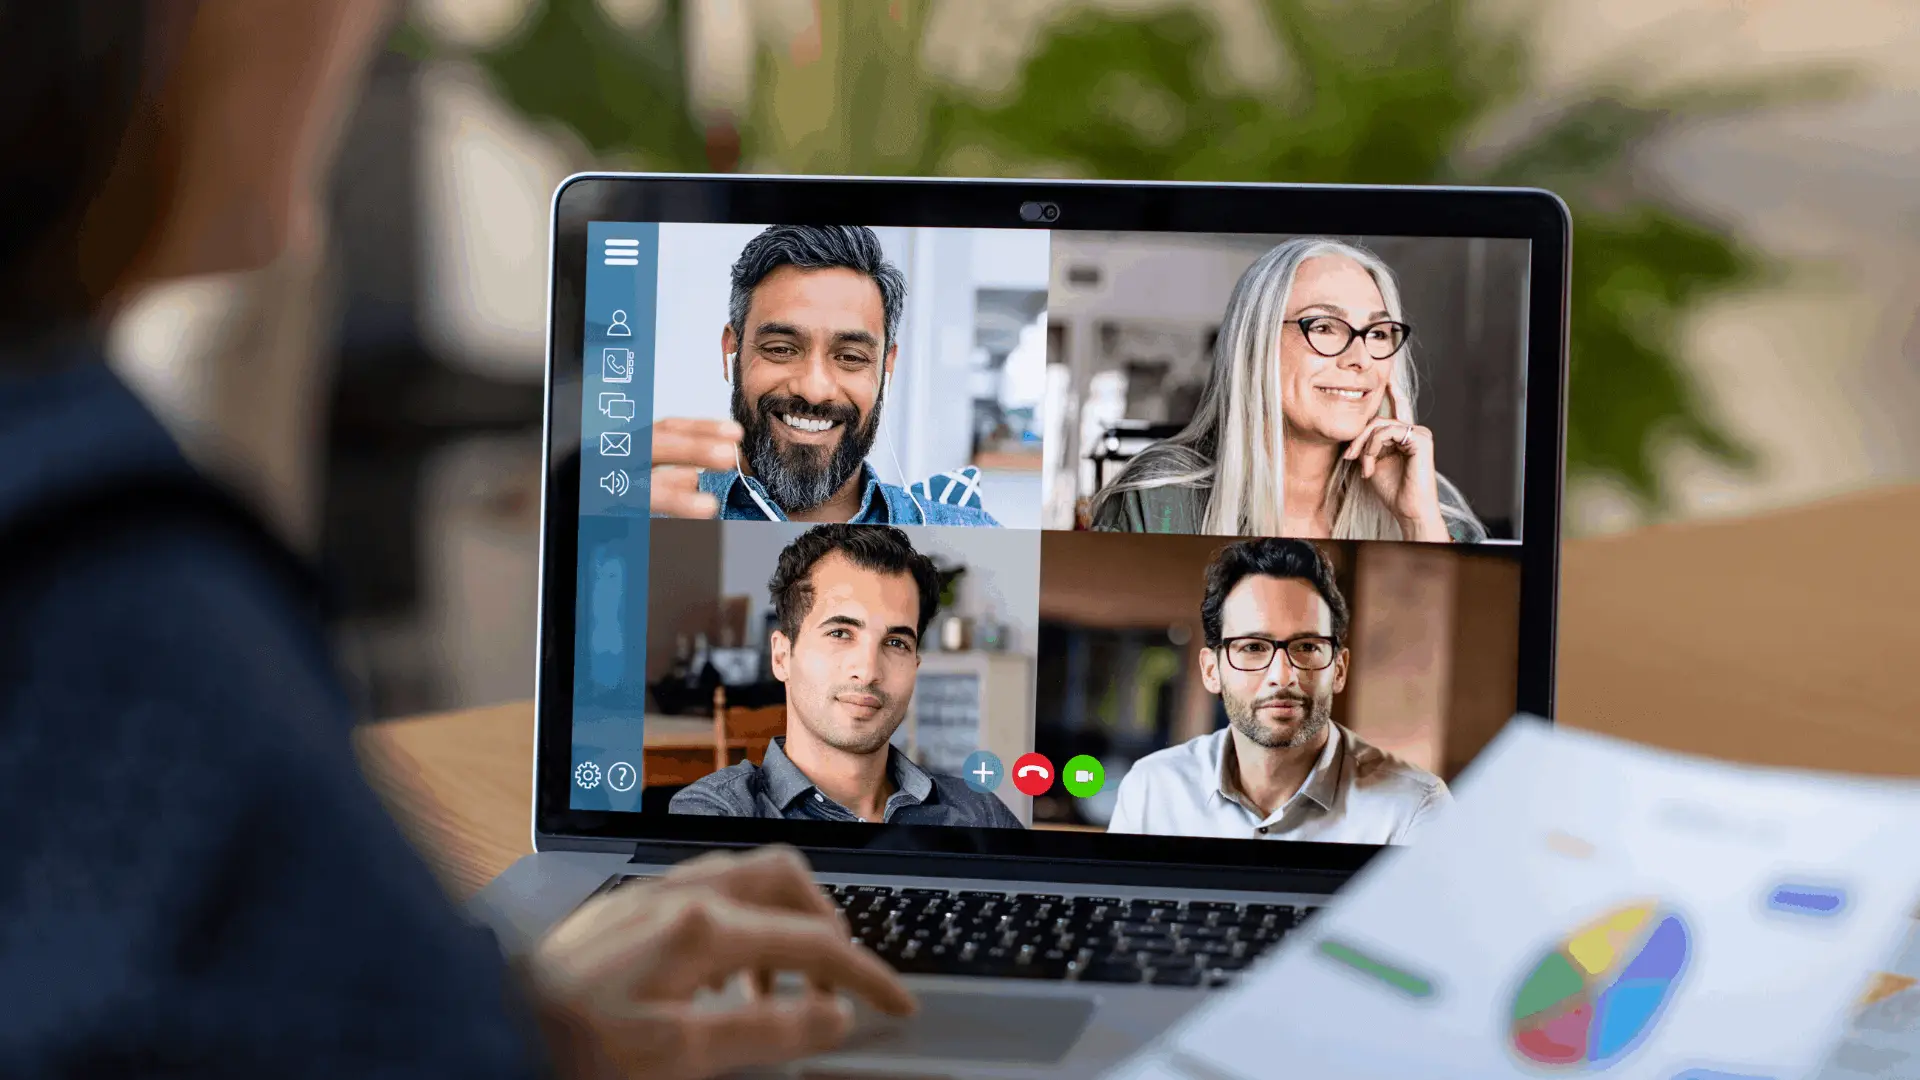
x=1598 y=992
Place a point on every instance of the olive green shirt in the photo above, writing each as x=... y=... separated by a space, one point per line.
x=1177 y=508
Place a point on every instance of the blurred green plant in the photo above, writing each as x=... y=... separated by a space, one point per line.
x=1373 y=91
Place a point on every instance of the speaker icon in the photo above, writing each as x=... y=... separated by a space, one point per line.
x=616 y=483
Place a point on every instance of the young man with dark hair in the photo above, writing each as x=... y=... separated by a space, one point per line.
x=810 y=342
x=198 y=880
x=1275 y=651
x=852 y=603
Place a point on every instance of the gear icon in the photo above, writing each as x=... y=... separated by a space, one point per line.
x=587 y=775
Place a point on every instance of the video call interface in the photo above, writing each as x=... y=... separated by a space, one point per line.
x=1130 y=532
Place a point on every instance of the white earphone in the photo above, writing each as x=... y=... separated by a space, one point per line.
x=905 y=484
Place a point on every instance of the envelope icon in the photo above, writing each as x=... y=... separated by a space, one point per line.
x=616 y=443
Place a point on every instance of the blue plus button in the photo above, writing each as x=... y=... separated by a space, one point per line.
x=982 y=772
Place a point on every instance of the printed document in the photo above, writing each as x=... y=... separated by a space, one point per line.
x=1595 y=907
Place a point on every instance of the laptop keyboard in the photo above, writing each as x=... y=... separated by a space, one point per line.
x=1096 y=939
x=1104 y=939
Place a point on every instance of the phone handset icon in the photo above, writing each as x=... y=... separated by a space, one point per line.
x=1033 y=774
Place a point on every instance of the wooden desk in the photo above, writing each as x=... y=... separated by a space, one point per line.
x=1789 y=639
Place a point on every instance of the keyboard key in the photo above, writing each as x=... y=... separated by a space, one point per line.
x=1251 y=949
x=918 y=893
x=975 y=894
x=1158 y=945
x=1213 y=906
x=1187 y=917
x=1112 y=971
x=1262 y=935
x=1176 y=976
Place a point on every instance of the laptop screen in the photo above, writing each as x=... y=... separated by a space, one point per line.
x=1175 y=534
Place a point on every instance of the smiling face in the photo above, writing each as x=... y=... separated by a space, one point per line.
x=806 y=380
x=1331 y=398
x=850 y=668
x=1283 y=706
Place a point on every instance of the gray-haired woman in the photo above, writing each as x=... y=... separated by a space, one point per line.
x=1306 y=427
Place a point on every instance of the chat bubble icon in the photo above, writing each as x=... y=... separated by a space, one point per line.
x=616 y=405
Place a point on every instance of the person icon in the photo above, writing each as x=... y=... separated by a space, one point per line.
x=619 y=327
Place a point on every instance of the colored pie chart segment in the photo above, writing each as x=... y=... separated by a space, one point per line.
x=1594 y=997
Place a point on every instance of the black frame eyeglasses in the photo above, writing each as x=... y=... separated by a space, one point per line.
x=1396 y=335
x=1300 y=650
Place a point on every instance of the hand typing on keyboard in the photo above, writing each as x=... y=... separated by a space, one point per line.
x=1044 y=936
x=614 y=984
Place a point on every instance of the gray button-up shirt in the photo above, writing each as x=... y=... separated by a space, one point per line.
x=1356 y=793
x=776 y=788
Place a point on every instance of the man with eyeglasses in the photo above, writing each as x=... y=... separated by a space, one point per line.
x=1276 y=626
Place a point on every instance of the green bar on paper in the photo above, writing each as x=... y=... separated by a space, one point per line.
x=1403 y=981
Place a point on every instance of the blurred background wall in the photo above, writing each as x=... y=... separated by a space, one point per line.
x=1742 y=174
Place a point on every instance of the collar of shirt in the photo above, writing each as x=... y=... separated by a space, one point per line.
x=1321 y=787
x=880 y=504
x=786 y=784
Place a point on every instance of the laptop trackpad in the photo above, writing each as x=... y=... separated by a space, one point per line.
x=1010 y=1027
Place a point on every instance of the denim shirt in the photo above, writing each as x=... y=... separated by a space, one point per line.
x=880 y=504
x=777 y=789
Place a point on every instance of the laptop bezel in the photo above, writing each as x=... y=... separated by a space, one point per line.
x=1535 y=215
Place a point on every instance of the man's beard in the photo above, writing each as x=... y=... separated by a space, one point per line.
x=1246 y=720
x=871 y=737
x=802 y=477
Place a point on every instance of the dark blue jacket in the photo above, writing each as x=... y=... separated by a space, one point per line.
x=194 y=877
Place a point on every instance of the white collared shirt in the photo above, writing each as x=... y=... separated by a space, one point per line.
x=1356 y=793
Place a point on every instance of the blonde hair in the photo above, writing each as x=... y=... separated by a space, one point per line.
x=1241 y=414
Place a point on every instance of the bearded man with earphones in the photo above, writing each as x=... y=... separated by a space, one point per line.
x=809 y=348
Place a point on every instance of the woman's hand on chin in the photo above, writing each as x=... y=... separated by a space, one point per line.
x=1396 y=459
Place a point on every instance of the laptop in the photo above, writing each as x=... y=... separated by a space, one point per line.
x=1104 y=574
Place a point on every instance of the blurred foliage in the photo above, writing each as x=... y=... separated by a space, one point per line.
x=1372 y=91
